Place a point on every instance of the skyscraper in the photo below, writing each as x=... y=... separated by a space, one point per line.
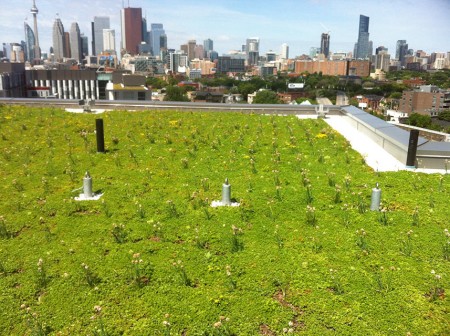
x=100 y=23
x=191 y=49
x=67 y=50
x=362 y=46
x=284 y=51
x=131 y=26
x=109 y=39
x=325 y=44
x=37 y=49
x=58 y=39
x=156 y=32
x=30 y=43
x=208 y=45
x=401 y=51
x=199 y=51
x=252 y=50
x=84 y=45
x=144 y=33
x=163 y=42
x=75 y=42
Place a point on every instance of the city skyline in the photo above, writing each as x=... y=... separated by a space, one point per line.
x=297 y=23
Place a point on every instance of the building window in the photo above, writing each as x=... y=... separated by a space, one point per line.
x=141 y=95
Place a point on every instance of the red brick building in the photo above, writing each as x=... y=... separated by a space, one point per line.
x=428 y=100
x=334 y=68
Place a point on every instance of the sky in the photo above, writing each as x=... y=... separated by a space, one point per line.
x=423 y=24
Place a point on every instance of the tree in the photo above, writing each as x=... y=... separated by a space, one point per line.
x=396 y=95
x=266 y=97
x=156 y=82
x=175 y=93
x=445 y=115
x=420 y=120
x=245 y=88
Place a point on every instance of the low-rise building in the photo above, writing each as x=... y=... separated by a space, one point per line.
x=128 y=87
x=12 y=80
x=427 y=100
x=64 y=84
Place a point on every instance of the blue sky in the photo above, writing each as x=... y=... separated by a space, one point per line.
x=299 y=23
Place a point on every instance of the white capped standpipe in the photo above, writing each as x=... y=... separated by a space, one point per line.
x=226 y=193
x=87 y=185
x=87 y=194
x=226 y=197
x=376 y=199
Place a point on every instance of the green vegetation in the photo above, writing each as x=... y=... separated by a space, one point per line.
x=420 y=120
x=444 y=116
x=266 y=97
x=301 y=253
x=175 y=93
x=440 y=78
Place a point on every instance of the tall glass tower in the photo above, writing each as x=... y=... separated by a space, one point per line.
x=401 y=51
x=30 y=43
x=208 y=45
x=100 y=23
x=157 y=30
x=325 y=44
x=362 y=46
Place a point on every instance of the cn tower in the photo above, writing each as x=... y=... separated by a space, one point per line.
x=37 y=49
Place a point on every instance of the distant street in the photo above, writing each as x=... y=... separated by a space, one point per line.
x=324 y=101
x=341 y=98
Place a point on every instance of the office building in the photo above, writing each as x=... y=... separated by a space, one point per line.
x=100 y=23
x=109 y=40
x=284 y=51
x=177 y=61
x=271 y=56
x=228 y=64
x=12 y=79
x=401 y=51
x=67 y=50
x=191 y=49
x=199 y=52
x=382 y=60
x=30 y=43
x=131 y=26
x=84 y=45
x=58 y=39
x=252 y=50
x=156 y=32
x=145 y=35
x=380 y=49
x=333 y=68
x=75 y=42
x=362 y=46
x=325 y=44
x=17 y=53
x=66 y=84
x=208 y=45
x=163 y=42
x=313 y=52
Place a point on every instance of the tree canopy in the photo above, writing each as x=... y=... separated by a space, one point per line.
x=175 y=93
x=266 y=97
